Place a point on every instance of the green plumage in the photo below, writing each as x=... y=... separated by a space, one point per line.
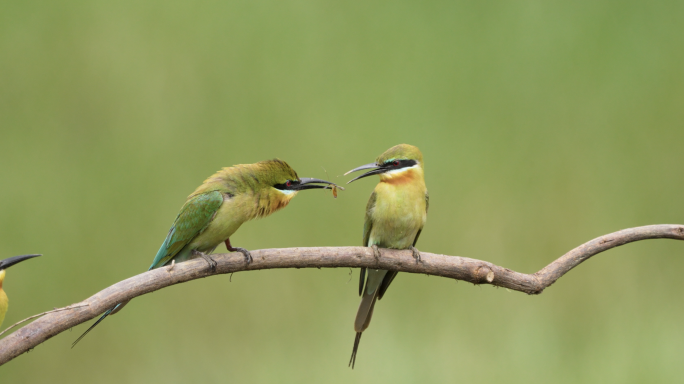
x=218 y=207
x=193 y=218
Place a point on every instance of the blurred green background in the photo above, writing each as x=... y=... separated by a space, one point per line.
x=543 y=125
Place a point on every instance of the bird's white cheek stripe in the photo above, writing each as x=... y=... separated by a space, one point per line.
x=396 y=172
x=286 y=191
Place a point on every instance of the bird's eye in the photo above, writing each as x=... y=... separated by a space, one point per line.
x=288 y=183
x=395 y=163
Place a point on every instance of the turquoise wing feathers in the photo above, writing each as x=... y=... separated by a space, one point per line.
x=193 y=218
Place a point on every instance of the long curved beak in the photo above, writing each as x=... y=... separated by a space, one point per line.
x=376 y=170
x=310 y=183
x=4 y=264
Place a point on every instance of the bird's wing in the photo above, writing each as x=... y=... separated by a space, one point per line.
x=367 y=226
x=368 y=220
x=193 y=218
x=427 y=205
x=427 y=201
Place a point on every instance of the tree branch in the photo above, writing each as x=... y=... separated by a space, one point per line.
x=460 y=268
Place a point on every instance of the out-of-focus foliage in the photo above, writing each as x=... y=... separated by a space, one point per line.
x=543 y=125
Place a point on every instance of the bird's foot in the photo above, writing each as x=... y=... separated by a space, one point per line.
x=230 y=248
x=416 y=254
x=173 y=264
x=212 y=263
x=376 y=251
x=248 y=256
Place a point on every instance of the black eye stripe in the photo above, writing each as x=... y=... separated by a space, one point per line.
x=284 y=186
x=402 y=164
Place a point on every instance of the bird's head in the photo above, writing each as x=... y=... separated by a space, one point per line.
x=399 y=164
x=273 y=183
x=4 y=264
x=277 y=174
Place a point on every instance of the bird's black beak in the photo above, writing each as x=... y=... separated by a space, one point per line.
x=4 y=264
x=309 y=183
x=376 y=170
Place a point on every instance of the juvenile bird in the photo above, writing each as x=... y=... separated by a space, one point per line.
x=220 y=206
x=395 y=216
x=4 y=264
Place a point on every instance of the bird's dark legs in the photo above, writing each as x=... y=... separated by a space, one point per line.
x=248 y=256
x=416 y=254
x=212 y=263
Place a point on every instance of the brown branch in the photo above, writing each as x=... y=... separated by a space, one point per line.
x=460 y=268
x=39 y=315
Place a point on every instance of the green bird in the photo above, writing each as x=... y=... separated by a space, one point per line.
x=395 y=215
x=4 y=264
x=220 y=206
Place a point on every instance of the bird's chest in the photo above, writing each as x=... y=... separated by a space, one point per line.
x=398 y=215
x=3 y=304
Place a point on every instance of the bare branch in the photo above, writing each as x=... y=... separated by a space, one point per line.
x=39 y=315
x=455 y=267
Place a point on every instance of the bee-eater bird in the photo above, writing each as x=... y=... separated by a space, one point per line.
x=395 y=216
x=220 y=206
x=4 y=264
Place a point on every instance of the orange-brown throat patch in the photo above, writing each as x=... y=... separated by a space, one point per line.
x=408 y=176
x=271 y=202
x=278 y=204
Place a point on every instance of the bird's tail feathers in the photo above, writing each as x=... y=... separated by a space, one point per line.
x=363 y=318
x=368 y=298
x=365 y=312
x=108 y=312
x=357 y=340
x=119 y=307
x=370 y=295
